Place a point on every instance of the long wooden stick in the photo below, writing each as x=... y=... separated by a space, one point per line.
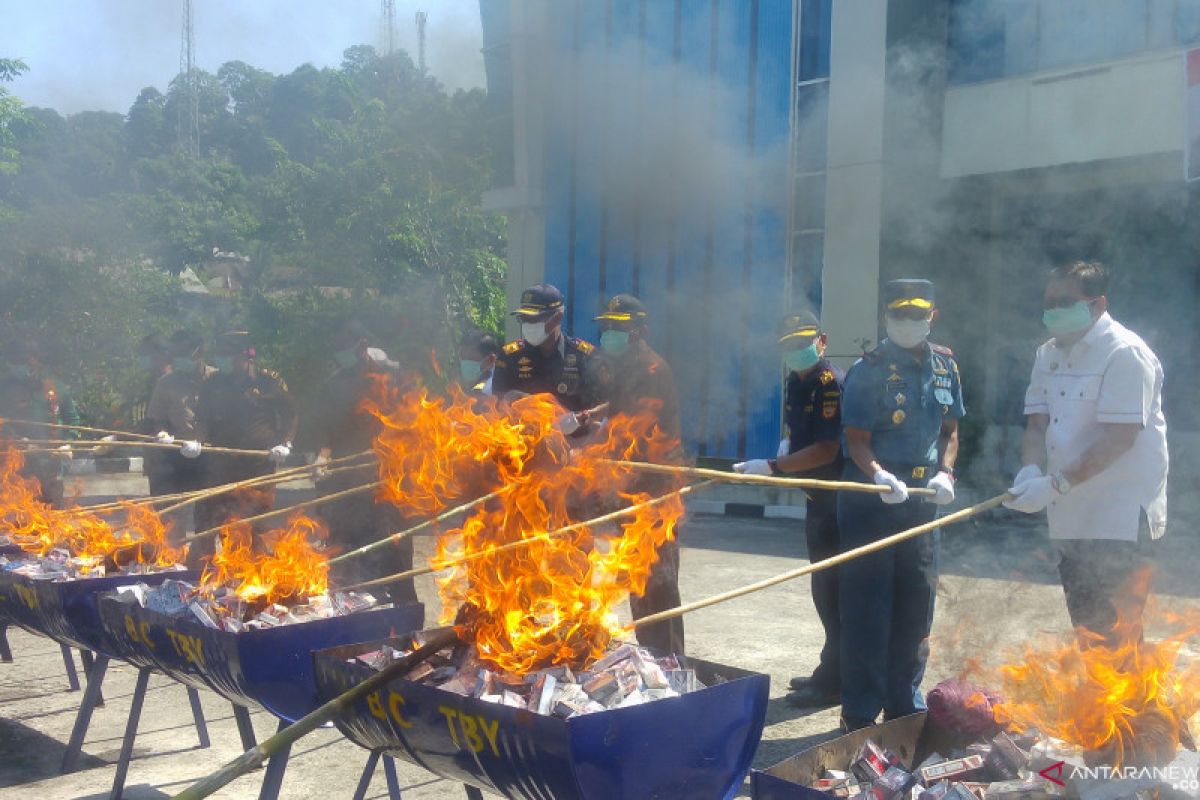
x=316 y=501
x=542 y=537
x=766 y=480
x=290 y=474
x=404 y=534
x=208 y=448
x=254 y=757
x=58 y=426
x=816 y=566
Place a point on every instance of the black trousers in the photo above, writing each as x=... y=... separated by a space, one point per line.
x=1106 y=584
x=359 y=520
x=821 y=538
x=662 y=592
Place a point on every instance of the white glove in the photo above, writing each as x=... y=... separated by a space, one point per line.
x=64 y=452
x=757 y=466
x=109 y=438
x=164 y=438
x=785 y=447
x=568 y=423
x=280 y=453
x=1031 y=496
x=1026 y=473
x=190 y=449
x=898 y=493
x=319 y=470
x=943 y=487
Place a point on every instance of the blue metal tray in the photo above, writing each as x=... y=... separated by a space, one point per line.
x=697 y=745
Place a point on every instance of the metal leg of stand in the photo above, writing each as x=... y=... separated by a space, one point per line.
x=95 y=678
x=198 y=717
x=135 y=715
x=245 y=729
x=86 y=657
x=368 y=772
x=5 y=650
x=473 y=792
x=273 y=777
x=69 y=663
x=389 y=774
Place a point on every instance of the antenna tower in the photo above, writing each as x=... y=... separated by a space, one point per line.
x=189 y=108
x=422 y=18
x=387 y=26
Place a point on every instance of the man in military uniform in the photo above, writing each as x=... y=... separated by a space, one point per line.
x=641 y=382
x=813 y=412
x=477 y=354
x=339 y=428
x=247 y=407
x=545 y=360
x=172 y=412
x=28 y=392
x=901 y=408
x=154 y=357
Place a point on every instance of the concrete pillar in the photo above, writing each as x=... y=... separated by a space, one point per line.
x=854 y=176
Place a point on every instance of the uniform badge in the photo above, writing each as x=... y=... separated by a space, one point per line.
x=897 y=417
x=523 y=360
x=826 y=377
x=571 y=358
x=829 y=410
x=900 y=398
x=562 y=388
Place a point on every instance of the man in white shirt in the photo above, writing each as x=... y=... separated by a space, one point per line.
x=1094 y=419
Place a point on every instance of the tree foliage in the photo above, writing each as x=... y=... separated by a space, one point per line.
x=365 y=177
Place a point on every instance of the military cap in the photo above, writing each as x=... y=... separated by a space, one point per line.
x=539 y=302
x=798 y=329
x=623 y=308
x=908 y=293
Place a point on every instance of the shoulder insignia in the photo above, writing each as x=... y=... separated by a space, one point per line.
x=826 y=377
x=587 y=348
x=513 y=347
x=941 y=349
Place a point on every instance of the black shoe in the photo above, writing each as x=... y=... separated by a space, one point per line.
x=812 y=695
x=851 y=724
x=799 y=682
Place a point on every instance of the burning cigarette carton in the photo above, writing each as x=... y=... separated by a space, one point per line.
x=1006 y=760
x=871 y=762
x=955 y=769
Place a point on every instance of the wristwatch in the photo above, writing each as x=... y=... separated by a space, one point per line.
x=1060 y=483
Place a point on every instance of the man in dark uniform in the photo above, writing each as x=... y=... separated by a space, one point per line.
x=641 y=382
x=813 y=412
x=545 y=360
x=477 y=354
x=902 y=404
x=154 y=356
x=247 y=407
x=28 y=392
x=339 y=428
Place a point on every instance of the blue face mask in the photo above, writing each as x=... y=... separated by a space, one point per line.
x=615 y=342
x=470 y=370
x=345 y=358
x=800 y=360
x=1072 y=319
x=183 y=364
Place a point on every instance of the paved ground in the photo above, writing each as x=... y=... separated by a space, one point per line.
x=998 y=589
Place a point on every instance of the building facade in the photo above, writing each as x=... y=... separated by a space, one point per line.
x=732 y=159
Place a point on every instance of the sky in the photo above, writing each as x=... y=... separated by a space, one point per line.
x=98 y=54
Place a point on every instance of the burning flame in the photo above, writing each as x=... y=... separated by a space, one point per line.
x=551 y=601
x=38 y=528
x=1128 y=704
x=291 y=570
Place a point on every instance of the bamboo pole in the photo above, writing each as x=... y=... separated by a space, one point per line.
x=543 y=537
x=63 y=427
x=284 y=476
x=98 y=443
x=404 y=534
x=255 y=757
x=765 y=480
x=316 y=501
x=816 y=566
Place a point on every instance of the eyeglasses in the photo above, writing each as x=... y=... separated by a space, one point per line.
x=1066 y=302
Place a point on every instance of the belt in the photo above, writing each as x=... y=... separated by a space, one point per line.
x=908 y=471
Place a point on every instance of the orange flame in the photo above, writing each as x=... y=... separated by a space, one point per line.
x=551 y=601
x=290 y=571
x=1126 y=700
x=38 y=528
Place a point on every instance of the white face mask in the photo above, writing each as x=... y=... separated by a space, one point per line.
x=534 y=332
x=907 y=333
